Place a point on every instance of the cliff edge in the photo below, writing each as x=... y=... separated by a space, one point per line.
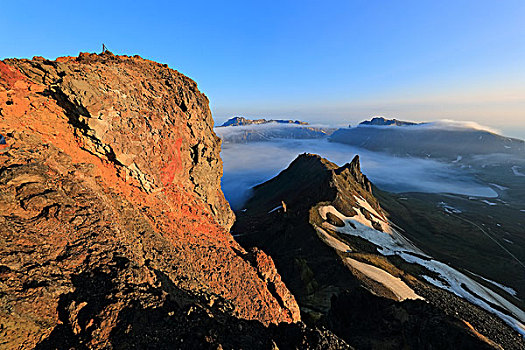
x=113 y=227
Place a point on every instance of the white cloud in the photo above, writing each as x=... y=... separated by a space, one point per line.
x=448 y=124
x=443 y=124
x=246 y=165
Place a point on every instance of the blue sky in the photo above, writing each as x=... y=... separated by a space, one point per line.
x=333 y=62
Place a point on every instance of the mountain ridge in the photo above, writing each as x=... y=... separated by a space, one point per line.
x=382 y=121
x=242 y=130
x=426 y=140
x=298 y=218
x=239 y=121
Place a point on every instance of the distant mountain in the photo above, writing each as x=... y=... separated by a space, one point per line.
x=426 y=140
x=242 y=130
x=381 y=121
x=237 y=121
x=351 y=269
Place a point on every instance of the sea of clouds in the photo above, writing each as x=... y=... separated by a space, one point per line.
x=246 y=165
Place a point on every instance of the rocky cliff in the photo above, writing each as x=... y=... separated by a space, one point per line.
x=113 y=227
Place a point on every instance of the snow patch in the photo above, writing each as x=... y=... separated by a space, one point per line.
x=516 y=171
x=381 y=220
x=449 y=209
x=274 y=209
x=395 y=284
x=449 y=278
x=499 y=187
x=332 y=241
x=499 y=285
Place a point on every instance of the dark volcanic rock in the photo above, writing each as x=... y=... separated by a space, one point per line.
x=330 y=293
x=371 y=322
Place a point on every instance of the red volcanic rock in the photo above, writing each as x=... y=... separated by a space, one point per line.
x=110 y=204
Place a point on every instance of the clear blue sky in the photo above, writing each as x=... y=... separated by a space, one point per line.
x=333 y=62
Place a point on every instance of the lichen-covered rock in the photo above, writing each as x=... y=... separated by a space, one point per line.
x=111 y=210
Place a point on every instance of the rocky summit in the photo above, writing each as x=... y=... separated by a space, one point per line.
x=353 y=271
x=113 y=226
x=239 y=121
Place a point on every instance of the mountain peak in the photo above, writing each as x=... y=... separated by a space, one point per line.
x=382 y=121
x=355 y=164
x=311 y=178
x=354 y=169
x=240 y=121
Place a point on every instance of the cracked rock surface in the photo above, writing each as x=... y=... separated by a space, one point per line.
x=113 y=227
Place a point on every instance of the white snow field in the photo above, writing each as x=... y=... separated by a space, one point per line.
x=516 y=171
x=391 y=242
x=395 y=284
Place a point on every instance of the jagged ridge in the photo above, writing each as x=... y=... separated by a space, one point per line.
x=285 y=218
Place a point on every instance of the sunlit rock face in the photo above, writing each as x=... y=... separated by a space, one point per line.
x=113 y=226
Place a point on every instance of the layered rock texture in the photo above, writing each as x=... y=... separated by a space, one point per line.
x=113 y=227
x=353 y=272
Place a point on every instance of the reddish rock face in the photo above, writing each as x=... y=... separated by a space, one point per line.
x=149 y=121
x=110 y=199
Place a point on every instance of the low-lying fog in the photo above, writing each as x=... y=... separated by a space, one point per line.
x=249 y=164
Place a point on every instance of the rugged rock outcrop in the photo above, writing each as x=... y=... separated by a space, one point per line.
x=353 y=272
x=113 y=227
x=139 y=116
